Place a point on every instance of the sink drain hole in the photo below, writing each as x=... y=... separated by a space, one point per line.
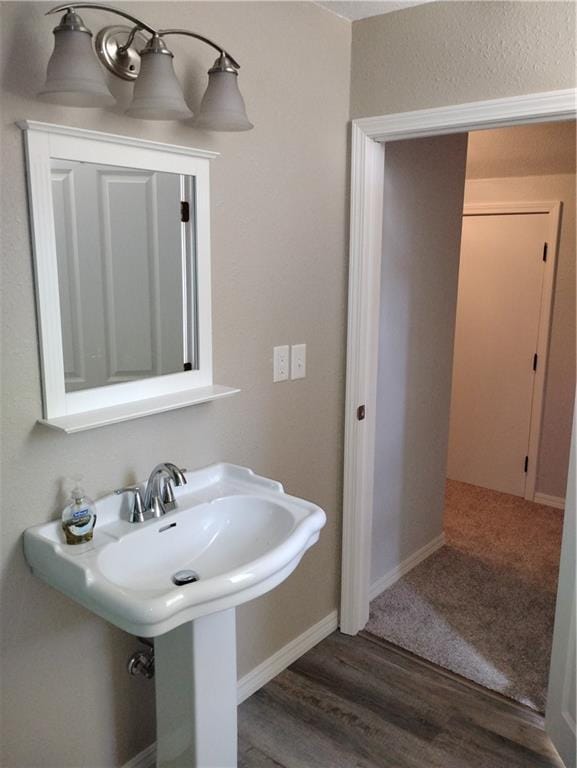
x=185 y=577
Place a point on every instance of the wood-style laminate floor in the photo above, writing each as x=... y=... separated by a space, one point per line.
x=356 y=702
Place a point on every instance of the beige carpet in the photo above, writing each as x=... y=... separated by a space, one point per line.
x=483 y=605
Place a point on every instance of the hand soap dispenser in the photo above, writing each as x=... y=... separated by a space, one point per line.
x=78 y=518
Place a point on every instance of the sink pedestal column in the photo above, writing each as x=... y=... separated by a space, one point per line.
x=195 y=674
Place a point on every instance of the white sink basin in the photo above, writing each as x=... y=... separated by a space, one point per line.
x=241 y=533
x=226 y=538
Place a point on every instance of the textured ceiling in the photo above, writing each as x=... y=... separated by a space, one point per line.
x=362 y=9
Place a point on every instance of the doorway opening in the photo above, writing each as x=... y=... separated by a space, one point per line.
x=480 y=268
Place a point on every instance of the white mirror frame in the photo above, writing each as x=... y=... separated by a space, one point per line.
x=85 y=409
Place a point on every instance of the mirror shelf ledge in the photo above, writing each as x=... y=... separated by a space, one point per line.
x=114 y=414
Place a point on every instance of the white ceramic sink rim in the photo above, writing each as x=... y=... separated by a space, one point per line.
x=92 y=574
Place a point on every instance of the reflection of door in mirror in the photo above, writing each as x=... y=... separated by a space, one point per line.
x=125 y=273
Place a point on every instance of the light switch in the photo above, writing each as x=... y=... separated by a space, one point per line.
x=280 y=363
x=298 y=361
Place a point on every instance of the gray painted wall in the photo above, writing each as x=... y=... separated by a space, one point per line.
x=279 y=276
x=423 y=201
x=455 y=52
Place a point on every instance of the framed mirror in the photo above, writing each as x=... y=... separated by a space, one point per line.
x=121 y=235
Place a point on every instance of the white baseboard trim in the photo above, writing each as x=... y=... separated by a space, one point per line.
x=550 y=501
x=288 y=654
x=408 y=564
x=260 y=675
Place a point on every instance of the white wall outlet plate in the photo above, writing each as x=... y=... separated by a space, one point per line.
x=299 y=361
x=280 y=363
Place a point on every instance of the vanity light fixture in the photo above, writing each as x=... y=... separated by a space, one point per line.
x=137 y=53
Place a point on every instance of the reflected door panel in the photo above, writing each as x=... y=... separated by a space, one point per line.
x=123 y=274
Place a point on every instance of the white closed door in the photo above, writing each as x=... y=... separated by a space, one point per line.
x=499 y=298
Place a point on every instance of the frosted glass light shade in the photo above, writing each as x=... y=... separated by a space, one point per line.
x=74 y=77
x=222 y=107
x=157 y=92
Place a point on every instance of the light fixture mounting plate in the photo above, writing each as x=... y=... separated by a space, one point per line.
x=108 y=44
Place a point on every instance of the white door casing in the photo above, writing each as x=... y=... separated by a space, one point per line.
x=367 y=165
x=506 y=281
x=561 y=696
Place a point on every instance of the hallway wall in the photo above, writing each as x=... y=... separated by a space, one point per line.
x=423 y=200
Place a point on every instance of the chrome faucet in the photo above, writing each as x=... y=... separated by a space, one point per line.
x=159 y=495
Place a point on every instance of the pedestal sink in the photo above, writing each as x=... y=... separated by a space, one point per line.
x=242 y=535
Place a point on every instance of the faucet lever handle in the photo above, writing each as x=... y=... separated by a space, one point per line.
x=168 y=494
x=157 y=507
x=137 y=514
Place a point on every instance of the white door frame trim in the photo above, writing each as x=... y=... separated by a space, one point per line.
x=553 y=209
x=367 y=176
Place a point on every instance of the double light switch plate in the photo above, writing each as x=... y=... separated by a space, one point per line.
x=293 y=361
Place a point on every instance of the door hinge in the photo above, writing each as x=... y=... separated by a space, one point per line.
x=535 y=361
x=526 y=466
x=361 y=413
x=545 y=247
x=184 y=211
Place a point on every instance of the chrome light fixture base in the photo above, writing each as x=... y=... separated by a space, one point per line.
x=110 y=45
